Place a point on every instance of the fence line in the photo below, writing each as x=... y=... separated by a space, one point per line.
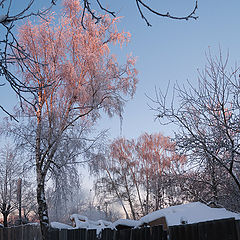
x=225 y=229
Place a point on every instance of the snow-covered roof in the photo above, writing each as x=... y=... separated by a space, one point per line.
x=189 y=213
x=60 y=225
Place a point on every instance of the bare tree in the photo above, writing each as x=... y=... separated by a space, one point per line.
x=207 y=117
x=9 y=174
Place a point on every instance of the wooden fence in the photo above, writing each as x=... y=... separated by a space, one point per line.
x=226 y=229
x=29 y=232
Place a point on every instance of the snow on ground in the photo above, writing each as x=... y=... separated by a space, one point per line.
x=189 y=213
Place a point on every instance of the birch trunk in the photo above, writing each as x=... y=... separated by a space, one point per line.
x=42 y=206
x=41 y=200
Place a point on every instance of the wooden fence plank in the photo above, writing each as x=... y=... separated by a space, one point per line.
x=218 y=229
x=5 y=234
x=107 y=234
x=91 y=234
x=173 y=232
x=135 y=234
x=17 y=233
x=157 y=233
x=62 y=234
x=124 y=234
x=70 y=234
x=142 y=233
x=53 y=234
x=191 y=232
x=237 y=226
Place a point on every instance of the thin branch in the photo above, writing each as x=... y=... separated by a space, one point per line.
x=192 y=15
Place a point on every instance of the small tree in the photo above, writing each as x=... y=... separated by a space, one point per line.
x=9 y=173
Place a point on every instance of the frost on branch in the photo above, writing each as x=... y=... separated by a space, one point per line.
x=83 y=80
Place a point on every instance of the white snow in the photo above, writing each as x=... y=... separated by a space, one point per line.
x=176 y=215
x=83 y=222
x=124 y=222
x=33 y=224
x=2 y=18
x=60 y=225
x=189 y=213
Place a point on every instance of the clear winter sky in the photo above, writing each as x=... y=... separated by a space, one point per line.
x=170 y=50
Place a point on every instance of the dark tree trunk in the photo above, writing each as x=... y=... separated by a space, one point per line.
x=41 y=200
x=19 y=196
x=42 y=207
x=5 y=210
x=5 y=216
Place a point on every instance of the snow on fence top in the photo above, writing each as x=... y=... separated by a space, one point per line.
x=60 y=225
x=188 y=213
x=80 y=221
x=176 y=215
x=124 y=222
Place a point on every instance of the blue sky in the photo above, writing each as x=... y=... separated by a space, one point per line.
x=170 y=50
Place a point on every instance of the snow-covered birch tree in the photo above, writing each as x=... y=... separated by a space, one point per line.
x=76 y=77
